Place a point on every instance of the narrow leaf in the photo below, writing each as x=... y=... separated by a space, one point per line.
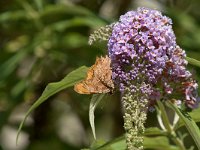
x=61 y=26
x=74 y=10
x=10 y=65
x=193 y=61
x=188 y=122
x=194 y=115
x=53 y=88
x=96 y=98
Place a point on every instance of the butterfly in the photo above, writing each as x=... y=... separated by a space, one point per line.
x=98 y=79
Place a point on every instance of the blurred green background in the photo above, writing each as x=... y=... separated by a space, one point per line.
x=43 y=40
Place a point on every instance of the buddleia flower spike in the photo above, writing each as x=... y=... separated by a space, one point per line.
x=147 y=66
x=101 y=34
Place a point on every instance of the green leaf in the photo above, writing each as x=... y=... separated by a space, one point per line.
x=193 y=61
x=116 y=144
x=74 y=10
x=188 y=122
x=10 y=65
x=158 y=142
x=96 y=98
x=194 y=115
x=39 y=4
x=10 y=16
x=53 y=88
x=97 y=143
x=91 y=22
x=154 y=131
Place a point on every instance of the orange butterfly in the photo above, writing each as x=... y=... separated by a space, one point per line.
x=98 y=79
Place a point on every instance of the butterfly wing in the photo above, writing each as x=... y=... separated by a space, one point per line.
x=83 y=87
x=98 y=79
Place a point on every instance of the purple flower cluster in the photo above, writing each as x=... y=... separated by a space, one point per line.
x=143 y=48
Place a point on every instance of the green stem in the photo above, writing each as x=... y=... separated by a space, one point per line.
x=169 y=127
x=189 y=123
x=164 y=116
x=178 y=142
